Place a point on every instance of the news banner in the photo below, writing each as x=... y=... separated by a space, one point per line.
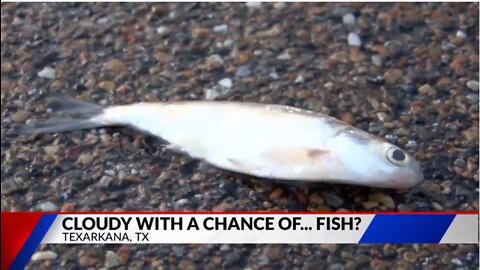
x=22 y=233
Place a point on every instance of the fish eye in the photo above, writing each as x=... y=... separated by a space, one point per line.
x=397 y=156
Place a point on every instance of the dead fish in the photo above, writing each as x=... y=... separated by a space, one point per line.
x=267 y=141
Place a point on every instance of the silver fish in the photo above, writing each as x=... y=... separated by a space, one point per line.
x=267 y=141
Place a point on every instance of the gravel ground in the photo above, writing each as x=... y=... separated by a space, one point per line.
x=406 y=72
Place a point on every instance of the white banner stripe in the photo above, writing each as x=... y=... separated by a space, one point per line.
x=460 y=231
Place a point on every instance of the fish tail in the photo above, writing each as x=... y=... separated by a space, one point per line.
x=75 y=115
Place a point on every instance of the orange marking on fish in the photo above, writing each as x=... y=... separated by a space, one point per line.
x=286 y=157
x=316 y=153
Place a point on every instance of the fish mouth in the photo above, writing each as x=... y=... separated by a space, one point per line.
x=408 y=181
x=418 y=174
x=410 y=178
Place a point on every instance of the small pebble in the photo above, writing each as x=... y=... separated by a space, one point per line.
x=332 y=199
x=214 y=60
x=457 y=262
x=392 y=75
x=279 y=5
x=181 y=202
x=200 y=32
x=347 y=117
x=223 y=28
x=316 y=198
x=178 y=250
x=20 y=116
x=111 y=259
x=186 y=265
x=472 y=97
x=7 y=68
x=340 y=56
x=459 y=162
x=427 y=89
x=377 y=60
x=274 y=253
x=383 y=117
x=377 y=263
x=461 y=34
x=228 y=43
x=103 y=20
x=162 y=30
x=107 y=85
x=437 y=207
x=198 y=177
x=384 y=199
x=211 y=94
x=223 y=207
x=299 y=79
x=68 y=207
x=123 y=254
x=9 y=187
x=87 y=261
x=144 y=173
x=274 y=75
x=44 y=255
x=411 y=144
x=48 y=207
x=370 y=204
x=254 y=4
x=276 y=193
x=348 y=19
x=473 y=85
x=410 y=257
x=115 y=66
x=243 y=71
x=106 y=181
x=226 y=83
x=374 y=127
x=47 y=73
x=122 y=175
x=269 y=33
x=110 y=172
x=85 y=159
x=354 y=40
x=284 y=56
x=391 y=137
x=404 y=208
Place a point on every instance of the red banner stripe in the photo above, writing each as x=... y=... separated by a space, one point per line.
x=15 y=230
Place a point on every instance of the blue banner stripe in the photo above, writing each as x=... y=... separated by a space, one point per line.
x=407 y=229
x=33 y=241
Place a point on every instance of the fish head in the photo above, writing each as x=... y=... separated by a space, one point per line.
x=395 y=168
x=371 y=161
